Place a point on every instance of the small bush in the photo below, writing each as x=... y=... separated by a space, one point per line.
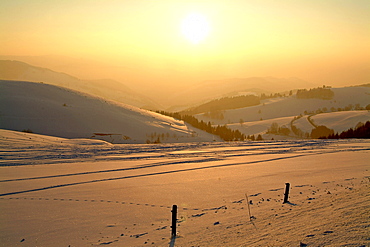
x=321 y=131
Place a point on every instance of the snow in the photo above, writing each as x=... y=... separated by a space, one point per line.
x=61 y=192
x=338 y=121
x=56 y=111
x=85 y=178
x=283 y=111
x=260 y=127
x=291 y=106
x=341 y=121
x=304 y=124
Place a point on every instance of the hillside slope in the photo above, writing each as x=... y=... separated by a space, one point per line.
x=283 y=111
x=291 y=106
x=338 y=121
x=110 y=89
x=341 y=121
x=51 y=110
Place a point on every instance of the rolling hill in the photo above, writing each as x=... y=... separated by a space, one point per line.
x=340 y=113
x=56 y=111
x=106 y=88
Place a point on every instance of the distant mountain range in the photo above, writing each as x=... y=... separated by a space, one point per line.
x=161 y=98
x=106 y=88
x=58 y=111
x=215 y=89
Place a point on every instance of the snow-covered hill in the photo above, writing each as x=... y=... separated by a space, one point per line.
x=56 y=111
x=291 y=106
x=110 y=89
x=260 y=127
x=338 y=121
x=341 y=121
x=283 y=111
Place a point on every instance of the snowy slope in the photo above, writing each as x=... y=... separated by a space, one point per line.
x=340 y=121
x=55 y=111
x=257 y=119
x=260 y=127
x=110 y=89
x=121 y=195
x=291 y=106
x=24 y=138
x=304 y=124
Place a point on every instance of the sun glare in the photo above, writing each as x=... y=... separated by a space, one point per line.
x=195 y=28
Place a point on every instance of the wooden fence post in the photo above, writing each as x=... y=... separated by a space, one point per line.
x=286 y=194
x=174 y=220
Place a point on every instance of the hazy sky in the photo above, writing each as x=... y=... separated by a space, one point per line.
x=324 y=41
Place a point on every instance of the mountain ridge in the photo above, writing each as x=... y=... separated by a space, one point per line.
x=107 y=88
x=173 y=97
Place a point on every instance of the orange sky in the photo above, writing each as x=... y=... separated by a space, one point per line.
x=323 y=41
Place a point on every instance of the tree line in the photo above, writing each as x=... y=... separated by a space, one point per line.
x=315 y=93
x=361 y=131
x=276 y=130
x=222 y=131
x=225 y=103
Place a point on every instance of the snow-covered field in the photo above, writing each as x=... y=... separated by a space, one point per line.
x=60 y=192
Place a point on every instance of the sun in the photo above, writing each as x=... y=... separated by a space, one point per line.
x=195 y=27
